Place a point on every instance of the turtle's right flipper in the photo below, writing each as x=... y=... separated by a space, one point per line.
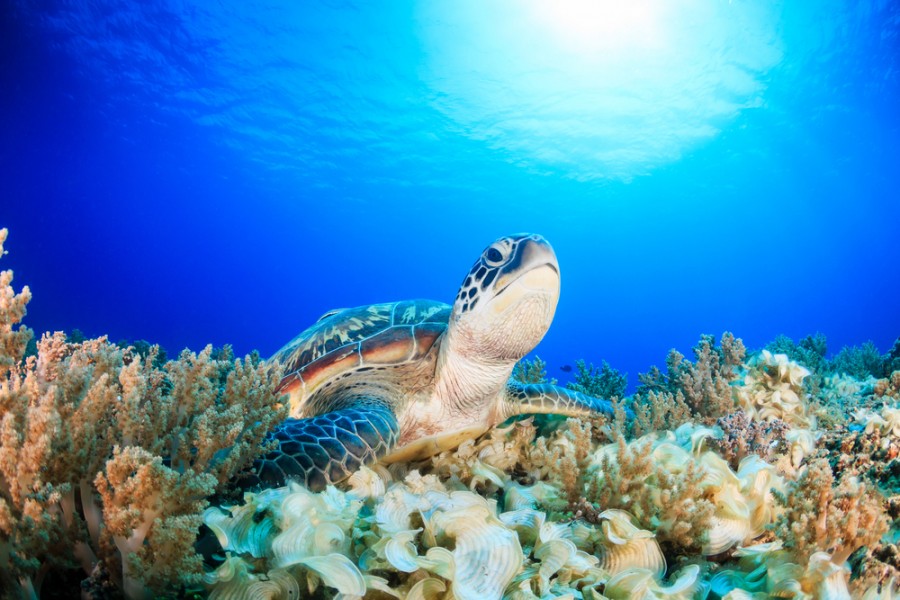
x=545 y=398
x=326 y=448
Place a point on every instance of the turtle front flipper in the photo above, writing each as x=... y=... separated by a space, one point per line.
x=544 y=398
x=324 y=449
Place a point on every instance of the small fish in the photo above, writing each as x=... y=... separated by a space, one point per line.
x=566 y=368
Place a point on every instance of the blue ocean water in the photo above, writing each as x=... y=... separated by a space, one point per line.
x=190 y=172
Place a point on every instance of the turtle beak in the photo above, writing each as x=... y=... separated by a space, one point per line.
x=534 y=267
x=532 y=274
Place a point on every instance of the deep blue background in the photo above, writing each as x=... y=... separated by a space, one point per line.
x=186 y=174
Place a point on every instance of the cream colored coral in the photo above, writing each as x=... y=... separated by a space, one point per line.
x=772 y=388
x=687 y=494
x=640 y=583
x=885 y=421
x=627 y=547
x=316 y=531
x=844 y=390
x=886 y=591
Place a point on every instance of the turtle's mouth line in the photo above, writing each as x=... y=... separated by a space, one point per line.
x=524 y=273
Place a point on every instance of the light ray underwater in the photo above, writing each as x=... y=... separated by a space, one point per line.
x=470 y=300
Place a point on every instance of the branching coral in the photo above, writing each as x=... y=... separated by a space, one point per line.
x=659 y=411
x=705 y=384
x=532 y=371
x=859 y=362
x=822 y=516
x=600 y=382
x=107 y=459
x=564 y=458
x=673 y=503
x=742 y=436
x=689 y=498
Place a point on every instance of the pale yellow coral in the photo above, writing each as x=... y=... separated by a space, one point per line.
x=769 y=571
x=687 y=496
x=886 y=591
x=640 y=583
x=772 y=388
x=628 y=547
x=233 y=580
x=886 y=422
x=321 y=532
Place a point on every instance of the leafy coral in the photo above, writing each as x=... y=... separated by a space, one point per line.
x=772 y=388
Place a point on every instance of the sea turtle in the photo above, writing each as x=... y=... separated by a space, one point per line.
x=409 y=379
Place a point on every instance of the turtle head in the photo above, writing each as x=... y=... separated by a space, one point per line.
x=507 y=301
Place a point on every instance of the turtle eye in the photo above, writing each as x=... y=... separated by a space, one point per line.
x=494 y=256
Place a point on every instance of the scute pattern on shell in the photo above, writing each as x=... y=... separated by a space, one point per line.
x=345 y=332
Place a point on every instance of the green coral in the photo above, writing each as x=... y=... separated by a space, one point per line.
x=810 y=352
x=600 y=382
x=532 y=371
x=859 y=362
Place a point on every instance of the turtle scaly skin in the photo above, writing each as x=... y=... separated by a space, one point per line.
x=410 y=379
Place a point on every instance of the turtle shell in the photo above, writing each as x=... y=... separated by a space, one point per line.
x=358 y=339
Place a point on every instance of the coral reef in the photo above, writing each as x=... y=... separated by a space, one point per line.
x=704 y=386
x=532 y=371
x=772 y=388
x=769 y=475
x=106 y=461
x=824 y=515
x=600 y=382
x=742 y=436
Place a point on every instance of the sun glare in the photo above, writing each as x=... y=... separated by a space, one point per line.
x=597 y=89
x=601 y=25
